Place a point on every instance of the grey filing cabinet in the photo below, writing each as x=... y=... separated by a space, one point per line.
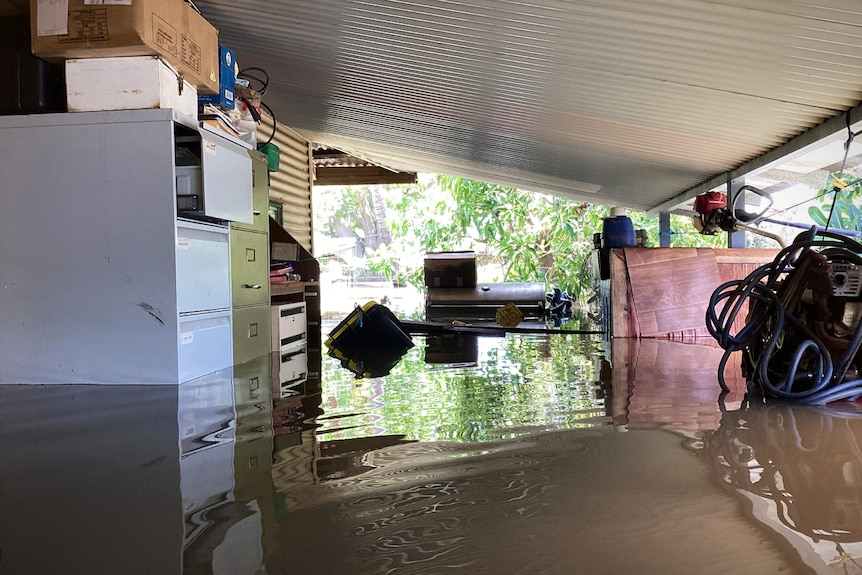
x=250 y=271
x=101 y=279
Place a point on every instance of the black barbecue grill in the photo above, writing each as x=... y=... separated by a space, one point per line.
x=480 y=303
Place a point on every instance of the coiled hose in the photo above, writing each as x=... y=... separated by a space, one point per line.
x=771 y=328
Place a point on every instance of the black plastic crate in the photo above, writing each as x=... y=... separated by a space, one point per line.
x=370 y=327
x=28 y=85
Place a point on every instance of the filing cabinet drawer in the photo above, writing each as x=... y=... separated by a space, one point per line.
x=249 y=267
x=204 y=344
x=251 y=386
x=260 y=195
x=250 y=333
x=202 y=264
x=289 y=325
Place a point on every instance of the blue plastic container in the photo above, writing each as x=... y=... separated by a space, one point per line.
x=618 y=232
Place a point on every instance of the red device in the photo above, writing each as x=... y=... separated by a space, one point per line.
x=709 y=202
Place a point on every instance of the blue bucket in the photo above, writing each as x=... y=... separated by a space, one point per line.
x=618 y=232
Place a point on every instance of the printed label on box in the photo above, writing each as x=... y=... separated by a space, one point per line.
x=89 y=25
x=191 y=54
x=183 y=243
x=187 y=338
x=52 y=17
x=165 y=36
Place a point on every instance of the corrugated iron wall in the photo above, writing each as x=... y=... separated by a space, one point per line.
x=291 y=185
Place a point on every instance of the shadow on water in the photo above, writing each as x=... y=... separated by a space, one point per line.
x=521 y=454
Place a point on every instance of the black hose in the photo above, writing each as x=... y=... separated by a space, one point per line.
x=767 y=333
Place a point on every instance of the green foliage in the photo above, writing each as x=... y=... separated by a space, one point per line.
x=340 y=208
x=682 y=233
x=846 y=215
x=518 y=236
x=518 y=382
x=528 y=237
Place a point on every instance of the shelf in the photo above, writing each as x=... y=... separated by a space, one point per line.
x=290 y=289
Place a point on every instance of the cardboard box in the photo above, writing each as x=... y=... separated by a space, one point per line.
x=450 y=269
x=284 y=252
x=131 y=83
x=167 y=28
x=227 y=80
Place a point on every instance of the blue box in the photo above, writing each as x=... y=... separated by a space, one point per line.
x=227 y=80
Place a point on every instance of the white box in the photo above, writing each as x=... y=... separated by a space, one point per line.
x=289 y=325
x=129 y=83
x=293 y=366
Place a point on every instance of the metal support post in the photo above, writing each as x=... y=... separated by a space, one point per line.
x=664 y=231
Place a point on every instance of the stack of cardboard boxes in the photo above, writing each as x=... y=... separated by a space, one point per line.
x=130 y=55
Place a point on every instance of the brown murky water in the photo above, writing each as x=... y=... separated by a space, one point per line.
x=515 y=455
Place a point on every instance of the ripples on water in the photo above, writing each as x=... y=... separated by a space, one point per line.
x=510 y=455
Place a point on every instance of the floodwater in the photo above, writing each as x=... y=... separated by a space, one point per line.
x=523 y=454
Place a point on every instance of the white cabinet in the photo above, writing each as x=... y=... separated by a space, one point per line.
x=290 y=342
x=100 y=280
x=289 y=325
x=227 y=183
x=293 y=366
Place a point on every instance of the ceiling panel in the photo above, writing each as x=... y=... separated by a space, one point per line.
x=621 y=102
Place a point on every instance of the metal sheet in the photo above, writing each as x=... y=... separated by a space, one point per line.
x=619 y=102
x=291 y=185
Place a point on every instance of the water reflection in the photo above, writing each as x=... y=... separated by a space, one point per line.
x=801 y=468
x=497 y=455
x=90 y=480
x=668 y=384
x=467 y=388
x=452 y=350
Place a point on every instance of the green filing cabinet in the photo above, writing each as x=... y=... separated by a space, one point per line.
x=249 y=244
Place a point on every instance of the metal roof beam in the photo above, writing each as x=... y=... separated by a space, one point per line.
x=360 y=175
x=833 y=128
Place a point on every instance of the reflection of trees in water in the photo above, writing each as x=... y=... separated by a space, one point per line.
x=515 y=381
x=806 y=460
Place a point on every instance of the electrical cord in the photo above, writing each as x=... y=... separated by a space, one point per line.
x=261 y=78
x=771 y=328
x=819 y=195
x=851 y=135
x=274 y=125
x=263 y=81
x=834 y=189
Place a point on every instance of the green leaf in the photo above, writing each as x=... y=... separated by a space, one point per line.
x=817 y=215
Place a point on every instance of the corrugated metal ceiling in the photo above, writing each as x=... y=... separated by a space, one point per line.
x=621 y=102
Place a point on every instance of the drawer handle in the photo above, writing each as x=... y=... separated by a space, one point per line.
x=255 y=212
x=292 y=338
x=288 y=356
x=252 y=286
